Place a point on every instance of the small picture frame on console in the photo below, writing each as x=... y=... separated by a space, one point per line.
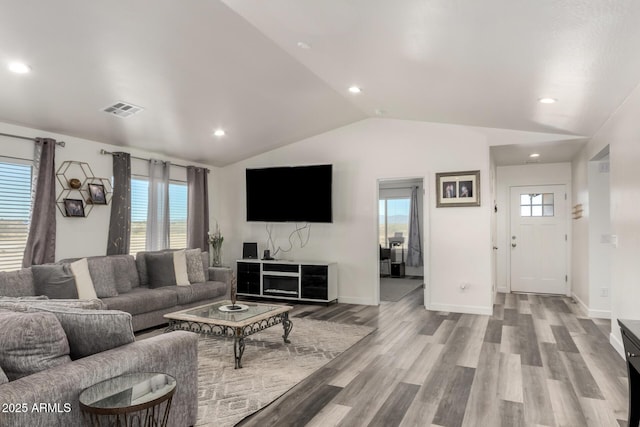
x=458 y=189
x=74 y=207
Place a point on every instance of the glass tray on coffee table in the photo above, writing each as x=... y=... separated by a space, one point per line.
x=210 y=320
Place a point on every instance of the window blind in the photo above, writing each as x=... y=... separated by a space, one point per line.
x=15 y=207
x=177 y=214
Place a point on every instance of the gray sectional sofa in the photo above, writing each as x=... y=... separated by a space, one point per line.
x=70 y=344
x=122 y=283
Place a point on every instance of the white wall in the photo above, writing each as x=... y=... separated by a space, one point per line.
x=599 y=239
x=78 y=237
x=522 y=175
x=580 y=231
x=458 y=242
x=622 y=134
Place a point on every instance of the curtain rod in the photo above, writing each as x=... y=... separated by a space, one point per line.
x=60 y=143
x=103 y=151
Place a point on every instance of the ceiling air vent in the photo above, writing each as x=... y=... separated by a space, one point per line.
x=122 y=109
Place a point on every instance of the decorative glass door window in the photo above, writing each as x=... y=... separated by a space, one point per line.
x=536 y=205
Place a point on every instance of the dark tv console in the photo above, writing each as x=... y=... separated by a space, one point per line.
x=288 y=280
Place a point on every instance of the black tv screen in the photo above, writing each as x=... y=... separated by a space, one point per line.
x=290 y=194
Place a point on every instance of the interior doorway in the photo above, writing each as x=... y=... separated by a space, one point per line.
x=538 y=239
x=400 y=237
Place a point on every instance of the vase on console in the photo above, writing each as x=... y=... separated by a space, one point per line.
x=215 y=241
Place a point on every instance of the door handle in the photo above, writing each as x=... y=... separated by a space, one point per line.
x=513 y=245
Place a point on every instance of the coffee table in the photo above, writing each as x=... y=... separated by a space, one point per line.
x=210 y=320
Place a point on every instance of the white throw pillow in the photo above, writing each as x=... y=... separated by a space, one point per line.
x=84 y=284
x=180 y=267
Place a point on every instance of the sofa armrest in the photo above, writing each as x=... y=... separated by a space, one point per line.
x=174 y=353
x=221 y=274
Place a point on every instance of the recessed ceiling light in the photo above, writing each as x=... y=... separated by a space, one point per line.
x=303 y=45
x=19 y=67
x=534 y=155
x=355 y=89
x=547 y=100
x=219 y=132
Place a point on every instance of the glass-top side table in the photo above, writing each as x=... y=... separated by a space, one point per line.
x=131 y=400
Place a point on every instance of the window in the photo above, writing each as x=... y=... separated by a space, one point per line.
x=177 y=214
x=139 y=206
x=536 y=204
x=393 y=218
x=15 y=208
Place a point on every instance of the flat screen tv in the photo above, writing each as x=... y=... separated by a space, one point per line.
x=290 y=194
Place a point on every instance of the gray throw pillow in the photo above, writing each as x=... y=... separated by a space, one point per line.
x=91 y=331
x=16 y=283
x=3 y=377
x=195 y=270
x=102 y=276
x=55 y=281
x=160 y=269
x=126 y=273
x=30 y=343
x=205 y=265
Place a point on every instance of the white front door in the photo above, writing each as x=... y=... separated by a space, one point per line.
x=538 y=239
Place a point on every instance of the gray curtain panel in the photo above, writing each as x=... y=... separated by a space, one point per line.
x=158 y=210
x=41 y=243
x=198 y=208
x=414 y=252
x=120 y=223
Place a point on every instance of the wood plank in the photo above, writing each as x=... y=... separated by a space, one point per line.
x=510 y=341
x=310 y=407
x=494 y=331
x=510 y=378
x=419 y=371
x=529 y=350
x=511 y=414
x=537 y=403
x=597 y=412
x=543 y=331
x=432 y=324
x=510 y=317
x=395 y=407
x=581 y=376
x=452 y=407
x=566 y=406
x=553 y=364
x=482 y=408
x=330 y=416
x=471 y=353
x=563 y=339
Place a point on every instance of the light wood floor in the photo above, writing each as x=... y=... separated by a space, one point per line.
x=538 y=361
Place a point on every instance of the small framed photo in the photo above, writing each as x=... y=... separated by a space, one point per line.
x=457 y=189
x=97 y=194
x=74 y=207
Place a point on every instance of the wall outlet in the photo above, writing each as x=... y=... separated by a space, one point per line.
x=604 y=292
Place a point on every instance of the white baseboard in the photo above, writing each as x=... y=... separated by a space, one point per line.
x=596 y=314
x=356 y=300
x=600 y=314
x=617 y=345
x=467 y=309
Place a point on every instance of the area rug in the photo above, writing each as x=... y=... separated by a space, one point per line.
x=392 y=289
x=270 y=367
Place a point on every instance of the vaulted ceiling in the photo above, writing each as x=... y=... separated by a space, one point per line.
x=273 y=72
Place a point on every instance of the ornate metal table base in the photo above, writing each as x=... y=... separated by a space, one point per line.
x=237 y=333
x=150 y=417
